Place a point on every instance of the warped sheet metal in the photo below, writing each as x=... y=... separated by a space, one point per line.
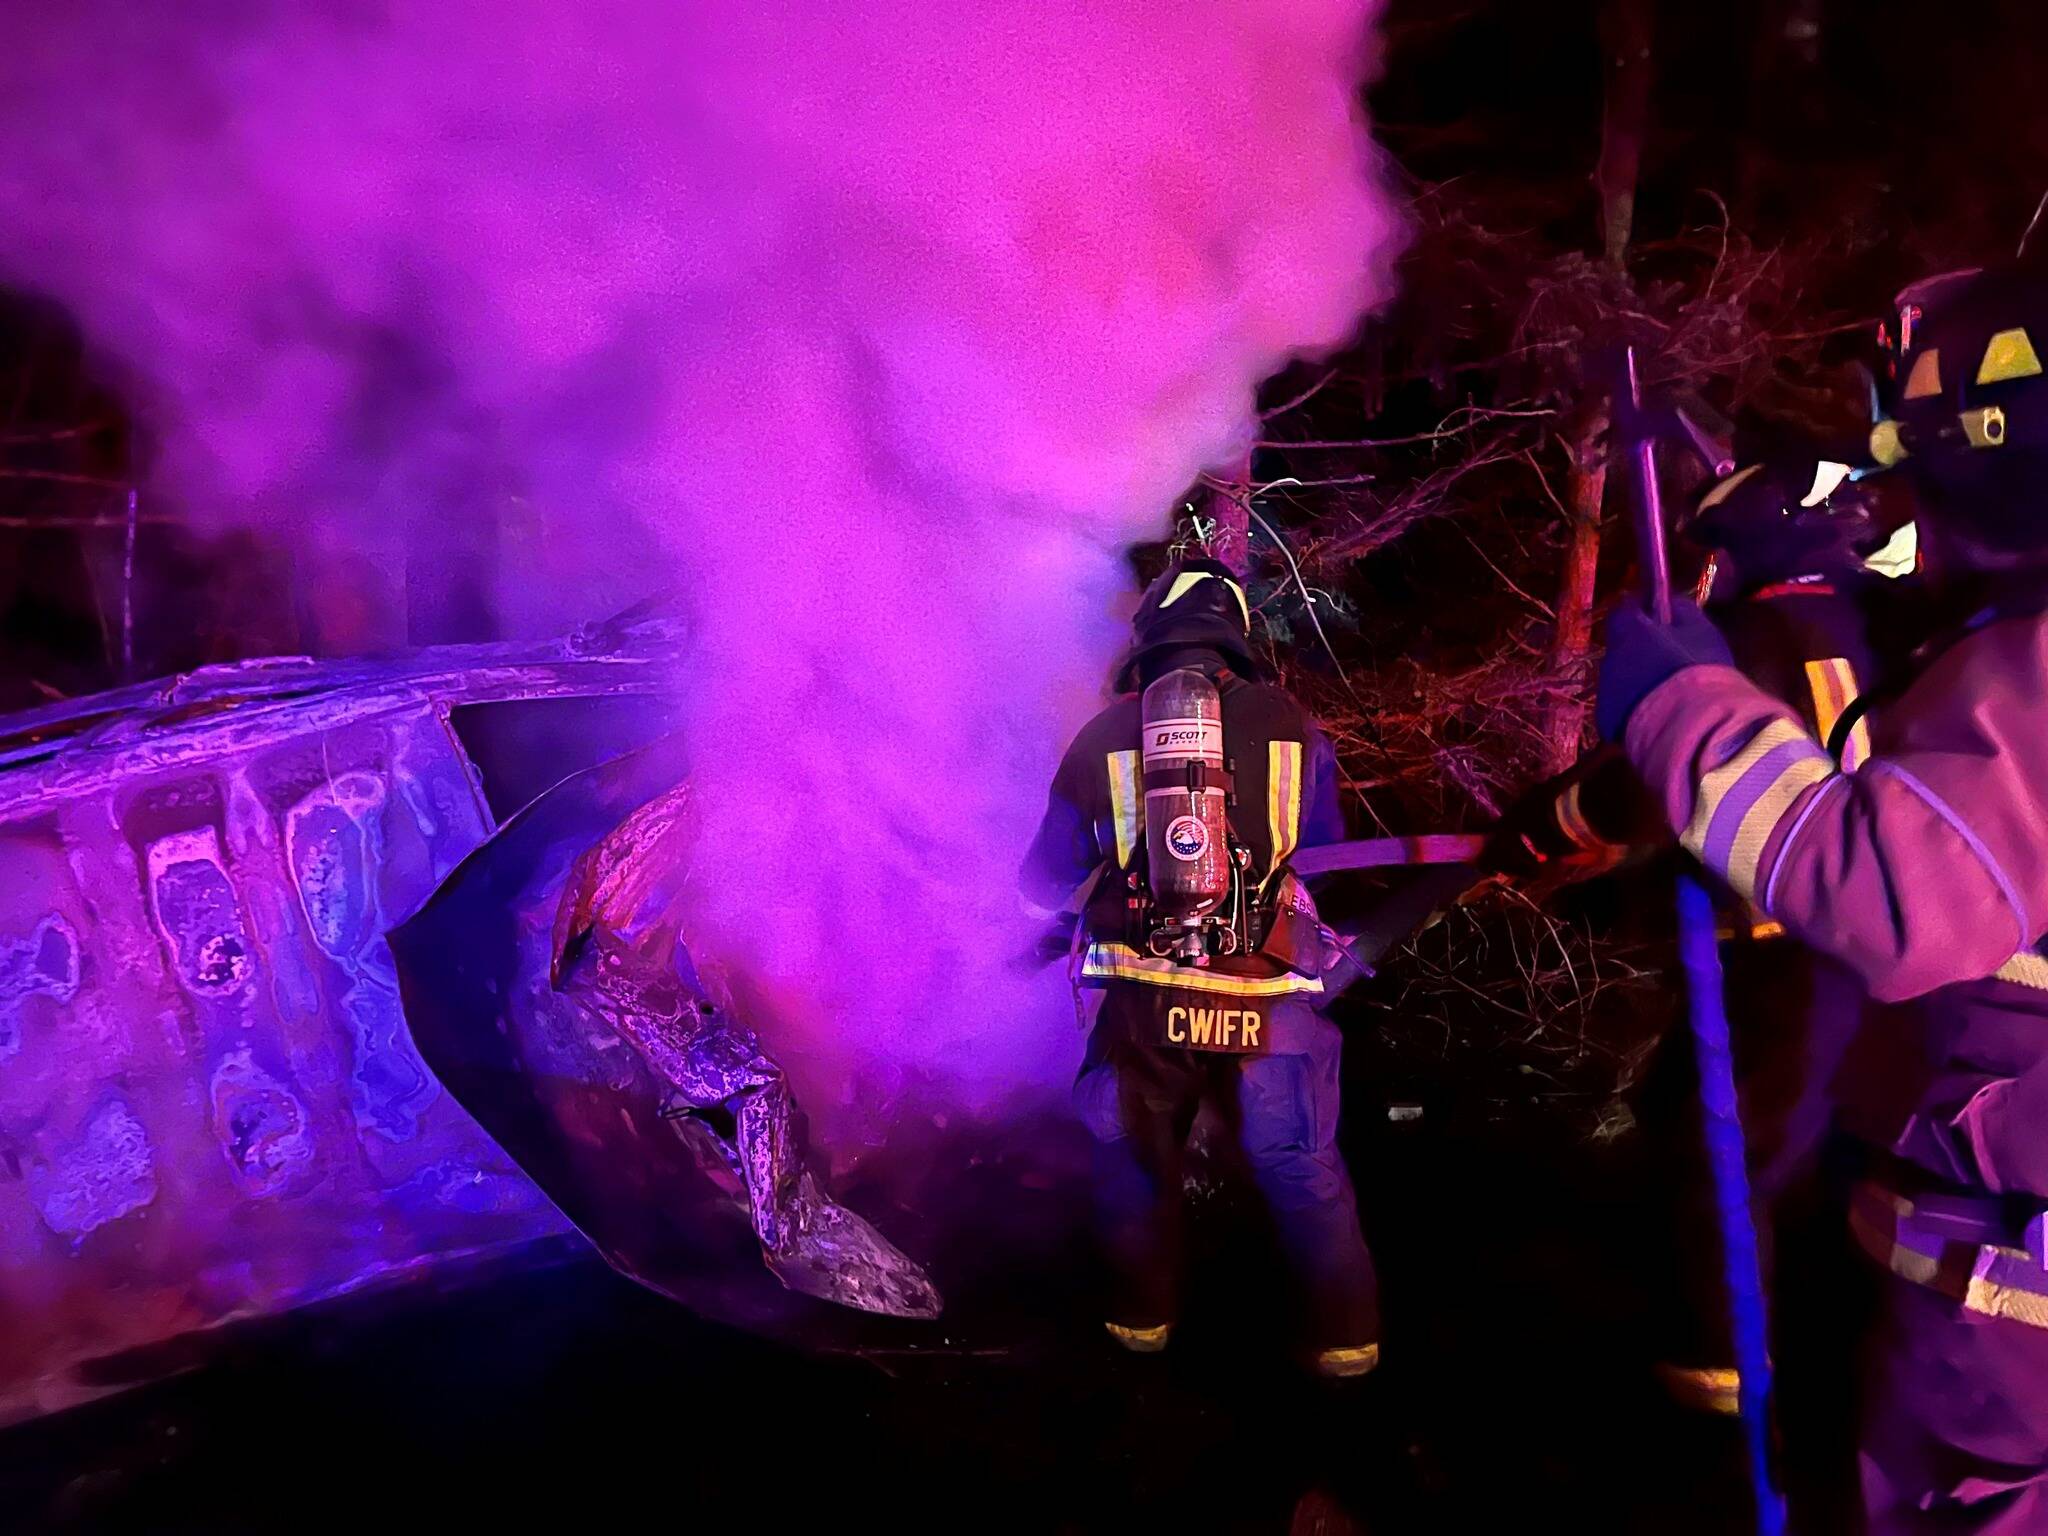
x=629 y=1092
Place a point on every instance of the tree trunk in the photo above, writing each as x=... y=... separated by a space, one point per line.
x=1624 y=123
x=1571 y=645
x=1784 y=106
x=1228 y=512
x=1624 y=120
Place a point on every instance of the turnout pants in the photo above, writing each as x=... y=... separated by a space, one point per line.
x=1139 y=1101
x=1956 y=1434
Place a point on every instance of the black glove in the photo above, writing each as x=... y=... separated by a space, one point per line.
x=1643 y=654
x=1518 y=845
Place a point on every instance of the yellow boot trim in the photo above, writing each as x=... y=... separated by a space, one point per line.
x=1140 y=1341
x=1703 y=1389
x=1354 y=1361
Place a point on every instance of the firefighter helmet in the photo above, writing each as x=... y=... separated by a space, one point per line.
x=1783 y=516
x=1197 y=602
x=1966 y=401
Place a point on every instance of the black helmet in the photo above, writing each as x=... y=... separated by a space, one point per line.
x=1791 y=514
x=1196 y=602
x=1966 y=402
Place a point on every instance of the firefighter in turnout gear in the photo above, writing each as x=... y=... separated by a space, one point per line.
x=1785 y=540
x=1169 y=834
x=1808 y=624
x=1922 y=865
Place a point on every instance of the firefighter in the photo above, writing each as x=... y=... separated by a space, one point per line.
x=1236 y=1030
x=1924 y=868
x=1785 y=541
x=1808 y=623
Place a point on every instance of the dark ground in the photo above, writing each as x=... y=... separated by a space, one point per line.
x=1516 y=1393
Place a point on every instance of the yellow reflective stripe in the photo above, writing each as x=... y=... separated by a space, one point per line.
x=1984 y=426
x=1886 y=446
x=1856 y=750
x=1924 y=380
x=2026 y=968
x=1764 y=817
x=1126 y=808
x=1737 y=862
x=1187 y=581
x=1749 y=924
x=1571 y=820
x=1874 y=1214
x=2008 y=355
x=2010 y=1302
x=1244 y=606
x=1143 y=1341
x=1123 y=963
x=1709 y=1389
x=1356 y=1360
x=1833 y=682
x=1283 y=801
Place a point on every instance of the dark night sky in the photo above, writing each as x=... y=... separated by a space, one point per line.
x=1913 y=128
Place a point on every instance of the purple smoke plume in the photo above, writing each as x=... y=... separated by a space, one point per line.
x=878 y=328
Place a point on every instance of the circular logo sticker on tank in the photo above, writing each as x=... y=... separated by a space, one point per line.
x=1187 y=838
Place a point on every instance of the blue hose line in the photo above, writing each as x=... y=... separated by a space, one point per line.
x=1700 y=955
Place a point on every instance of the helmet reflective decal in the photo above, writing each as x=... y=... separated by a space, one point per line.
x=1244 y=608
x=1187 y=581
x=1900 y=555
x=1985 y=426
x=1726 y=488
x=1827 y=476
x=1925 y=379
x=2009 y=355
x=1885 y=445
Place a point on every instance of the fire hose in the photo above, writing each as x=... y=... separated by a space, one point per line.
x=1700 y=959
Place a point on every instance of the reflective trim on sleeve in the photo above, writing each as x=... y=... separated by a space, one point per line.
x=1833 y=682
x=1125 y=806
x=1742 y=801
x=2026 y=968
x=1120 y=962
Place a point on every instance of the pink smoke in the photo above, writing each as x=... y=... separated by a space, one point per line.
x=878 y=325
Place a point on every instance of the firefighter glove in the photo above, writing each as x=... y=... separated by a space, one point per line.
x=1642 y=655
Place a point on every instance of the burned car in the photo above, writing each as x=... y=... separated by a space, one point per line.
x=213 y=1103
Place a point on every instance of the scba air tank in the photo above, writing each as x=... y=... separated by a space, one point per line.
x=1187 y=828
